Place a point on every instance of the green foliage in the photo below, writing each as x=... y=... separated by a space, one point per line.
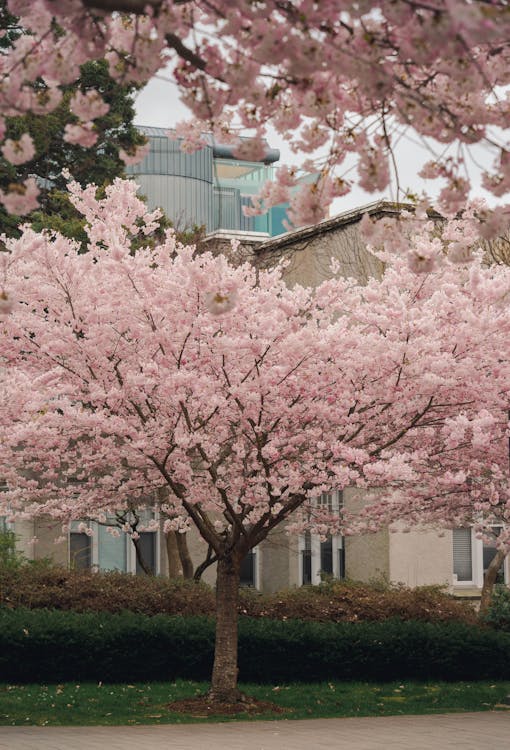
x=56 y=646
x=52 y=646
x=9 y=26
x=59 y=215
x=99 y=164
x=335 y=601
x=498 y=614
x=10 y=558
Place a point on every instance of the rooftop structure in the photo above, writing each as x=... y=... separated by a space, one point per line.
x=207 y=188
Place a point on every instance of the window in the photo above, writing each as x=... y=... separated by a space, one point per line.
x=147 y=543
x=80 y=550
x=462 y=555
x=472 y=557
x=248 y=572
x=102 y=550
x=326 y=557
x=112 y=551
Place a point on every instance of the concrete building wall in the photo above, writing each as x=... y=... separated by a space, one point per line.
x=278 y=562
x=422 y=557
x=25 y=533
x=49 y=542
x=366 y=555
x=308 y=252
x=310 y=261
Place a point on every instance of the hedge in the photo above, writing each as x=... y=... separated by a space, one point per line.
x=52 y=646
x=39 y=586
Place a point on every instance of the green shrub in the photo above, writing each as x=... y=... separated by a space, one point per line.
x=51 y=646
x=10 y=557
x=348 y=601
x=39 y=587
x=498 y=615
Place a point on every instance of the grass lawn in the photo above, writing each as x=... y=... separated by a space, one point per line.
x=97 y=704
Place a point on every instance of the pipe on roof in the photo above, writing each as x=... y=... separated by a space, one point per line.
x=223 y=151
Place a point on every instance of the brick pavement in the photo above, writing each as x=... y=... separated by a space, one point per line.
x=474 y=731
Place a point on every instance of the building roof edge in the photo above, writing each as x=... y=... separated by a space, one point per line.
x=327 y=225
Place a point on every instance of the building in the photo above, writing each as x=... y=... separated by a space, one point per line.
x=207 y=188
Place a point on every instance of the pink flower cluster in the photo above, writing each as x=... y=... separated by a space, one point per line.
x=20 y=151
x=334 y=76
x=89 y=105
x=136 y=156
x=21 y=199
x=82 y=134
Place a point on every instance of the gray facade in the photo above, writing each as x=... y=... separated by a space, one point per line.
x=207 y=188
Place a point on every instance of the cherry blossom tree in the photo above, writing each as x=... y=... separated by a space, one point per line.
x=484 y=507
x=129 y=374
x=335 y=78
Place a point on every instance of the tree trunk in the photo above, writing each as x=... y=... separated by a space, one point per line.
x=173 y=557
x=489 y=581
x=184 y=556
x=224 y=676
x=141 y=559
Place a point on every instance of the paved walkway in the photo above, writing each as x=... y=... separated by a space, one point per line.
x=475 y=731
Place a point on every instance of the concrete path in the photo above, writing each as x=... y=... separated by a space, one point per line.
x=475 y=731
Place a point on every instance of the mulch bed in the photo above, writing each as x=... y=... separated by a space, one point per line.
x=202 y=707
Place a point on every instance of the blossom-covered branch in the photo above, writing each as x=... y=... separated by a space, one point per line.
x=336 y=77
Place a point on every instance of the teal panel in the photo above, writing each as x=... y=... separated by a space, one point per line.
x=111 y=550
x=277 y=215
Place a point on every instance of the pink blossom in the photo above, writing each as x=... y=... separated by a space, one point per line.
x=20 y=151
x=136 y=156
x=344 y=80
x=81 y=134
x=6 y=304
x=89 y=105
x=192 y=135
x=219 y=303
x=459 y=252
x=250 y=149
x=21 y=198
x=421 y=261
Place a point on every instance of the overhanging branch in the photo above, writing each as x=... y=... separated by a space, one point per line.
x=123 y=6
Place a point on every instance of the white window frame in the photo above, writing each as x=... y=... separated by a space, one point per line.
x=337 y=545
x=477 y=566
x=130 y=549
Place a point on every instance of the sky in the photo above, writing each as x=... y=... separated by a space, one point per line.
x=158 y=105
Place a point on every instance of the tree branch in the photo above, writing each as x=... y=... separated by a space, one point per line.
x=123 y=6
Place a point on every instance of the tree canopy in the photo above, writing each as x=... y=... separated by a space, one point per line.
x=335 y=78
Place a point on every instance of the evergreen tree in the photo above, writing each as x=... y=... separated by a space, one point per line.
x=99 y=163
